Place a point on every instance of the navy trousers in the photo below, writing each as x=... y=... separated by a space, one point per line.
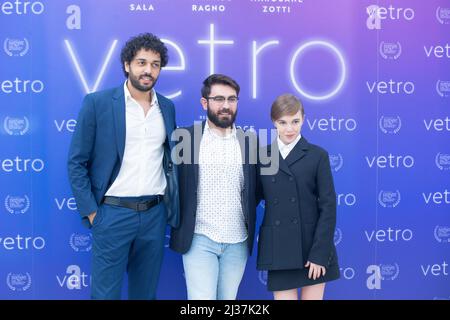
x=128 y=241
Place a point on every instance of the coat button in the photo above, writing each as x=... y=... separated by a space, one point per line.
x=273 y=179
x=292 y=199
x=291 y=179
x=277 y=222
x=294 y=221
x=275 y=201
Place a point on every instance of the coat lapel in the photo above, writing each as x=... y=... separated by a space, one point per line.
x=119 y=120
x=273 y=148
x=298 y=152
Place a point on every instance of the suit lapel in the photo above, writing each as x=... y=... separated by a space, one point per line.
x=244 y=156
x=166 y=117
x=196 y=138
x=119 y=120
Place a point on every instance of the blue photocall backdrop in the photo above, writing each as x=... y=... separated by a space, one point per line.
x=374 y=77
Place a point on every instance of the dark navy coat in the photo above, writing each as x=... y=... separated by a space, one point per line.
x=300 y=210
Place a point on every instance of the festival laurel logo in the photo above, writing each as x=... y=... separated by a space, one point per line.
x=18 y=281
x=16 y=126
x=336 y=162
x=442 y=161
x=389 y=199
x=391 y=125
x=16 y=47
x=442 y=234
x=390 y=50
x=389 y=271
x=443 y=15
x=262 y=277
x=17 y=204
x=81 y=242
x=443 y=88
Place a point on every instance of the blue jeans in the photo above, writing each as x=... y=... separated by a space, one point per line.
x=214 y=270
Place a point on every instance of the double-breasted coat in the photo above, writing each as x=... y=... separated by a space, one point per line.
x=300 y=210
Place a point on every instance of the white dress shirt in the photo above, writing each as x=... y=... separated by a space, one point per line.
x=141 y=172
x=285 y=149
x=220 y=183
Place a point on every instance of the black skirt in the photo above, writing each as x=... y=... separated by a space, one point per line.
x=279 y=280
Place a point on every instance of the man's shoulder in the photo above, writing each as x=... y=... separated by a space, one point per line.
x=104 y=94
x=246 y=131
x=316 y=149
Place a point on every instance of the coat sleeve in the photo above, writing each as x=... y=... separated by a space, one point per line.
x=80 y=152
x=322 y=250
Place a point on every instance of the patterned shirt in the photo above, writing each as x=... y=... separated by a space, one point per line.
x=221 y=181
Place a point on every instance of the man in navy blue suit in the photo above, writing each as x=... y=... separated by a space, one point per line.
x=122 y=177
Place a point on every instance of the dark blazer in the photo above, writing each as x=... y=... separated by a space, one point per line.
x=97 y=149
x=181 y=237
x=300 y=211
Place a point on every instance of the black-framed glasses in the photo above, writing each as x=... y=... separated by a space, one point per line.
x=221 y=99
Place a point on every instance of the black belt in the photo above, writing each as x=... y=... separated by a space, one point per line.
x=142 y=205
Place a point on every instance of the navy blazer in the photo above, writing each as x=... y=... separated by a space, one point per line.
x=97 y=149
x=181 y=237
x=300 y=211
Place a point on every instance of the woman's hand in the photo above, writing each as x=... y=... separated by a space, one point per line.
x=315 y=270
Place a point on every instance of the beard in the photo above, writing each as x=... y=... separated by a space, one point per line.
x=136 y=84
x=222 y=122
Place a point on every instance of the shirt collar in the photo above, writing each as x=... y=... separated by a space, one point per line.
x=128 y=96
x=228 y=136
x=289 y=146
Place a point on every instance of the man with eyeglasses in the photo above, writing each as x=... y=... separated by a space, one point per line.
x=217 y=197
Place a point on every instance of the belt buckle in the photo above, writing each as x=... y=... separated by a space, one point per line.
x=141 y=206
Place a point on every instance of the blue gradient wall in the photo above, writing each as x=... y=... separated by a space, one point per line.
x=375 y=80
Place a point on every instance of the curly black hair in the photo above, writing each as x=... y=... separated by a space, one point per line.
x=145 y=41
